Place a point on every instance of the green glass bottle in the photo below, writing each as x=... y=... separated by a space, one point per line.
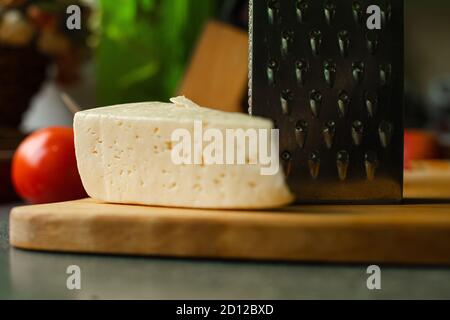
x=144 y=46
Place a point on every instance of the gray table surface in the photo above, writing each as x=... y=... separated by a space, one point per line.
x=42 y=275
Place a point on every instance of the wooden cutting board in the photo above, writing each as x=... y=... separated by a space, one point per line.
x=217 y=75
x=428 y=180
x=415 y=232
x=411 y=233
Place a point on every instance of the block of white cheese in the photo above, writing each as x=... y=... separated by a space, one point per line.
x=125 y=154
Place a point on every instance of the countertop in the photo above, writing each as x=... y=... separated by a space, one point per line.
x=42 y=275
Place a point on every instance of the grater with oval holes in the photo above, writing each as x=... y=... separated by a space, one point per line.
x=334 y=88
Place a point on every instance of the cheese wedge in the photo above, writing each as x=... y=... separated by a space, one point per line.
x=125 y=155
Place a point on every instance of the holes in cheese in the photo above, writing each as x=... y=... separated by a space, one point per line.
x=128 y=154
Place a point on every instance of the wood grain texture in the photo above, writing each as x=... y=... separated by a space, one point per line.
x=217 y=75
x=428 y=180
x=414 y=234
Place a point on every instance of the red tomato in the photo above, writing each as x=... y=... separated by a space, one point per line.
x=420 y=145
x=44 y=167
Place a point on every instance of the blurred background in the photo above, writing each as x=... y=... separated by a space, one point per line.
x=136 y=50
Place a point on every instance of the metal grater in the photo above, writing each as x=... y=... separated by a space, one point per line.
x=334 y=88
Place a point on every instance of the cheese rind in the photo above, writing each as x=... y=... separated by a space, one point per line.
x=124 y=156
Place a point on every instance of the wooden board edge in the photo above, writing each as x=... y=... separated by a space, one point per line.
x=219 y=240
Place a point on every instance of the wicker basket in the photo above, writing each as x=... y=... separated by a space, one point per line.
x=22 y=72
